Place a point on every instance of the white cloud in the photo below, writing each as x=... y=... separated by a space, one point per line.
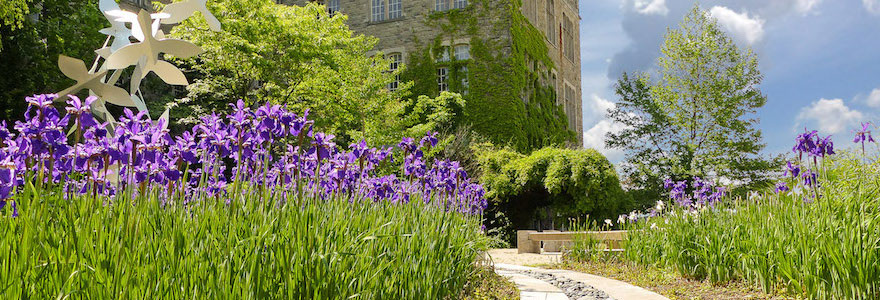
x=831 y=116
x=873 y=99
x=873 y=6
x=741 y=26
x=651 y=7
x=805 y=6
x=595 y=138
x=597 y=108
x=600 y=106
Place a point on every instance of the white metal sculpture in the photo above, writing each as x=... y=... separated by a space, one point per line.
x=143 y=54
x=181 y=10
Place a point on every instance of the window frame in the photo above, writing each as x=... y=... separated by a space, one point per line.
x=467 y=51
x=331 y=8
x=442 y=79
x=550 y=11
x=377 y=10
x=465 y=82
x=396 y=61
x=385 y=9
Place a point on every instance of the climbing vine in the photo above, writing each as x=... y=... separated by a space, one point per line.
x=572 y=182
x=509 y=98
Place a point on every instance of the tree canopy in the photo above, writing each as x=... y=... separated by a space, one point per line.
x=698 y=118
x=295 y=55
x=12 y=13
x=29 y=55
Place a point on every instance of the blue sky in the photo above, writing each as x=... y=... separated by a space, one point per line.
x=820 y=60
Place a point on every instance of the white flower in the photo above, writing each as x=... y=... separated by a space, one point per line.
x=608 y=221
x=653 y=225
x=621 y=219
x=753 y=195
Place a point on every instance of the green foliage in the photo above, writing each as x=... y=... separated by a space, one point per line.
x=294 y=55
x=509 y=99
x=434 y=114
x=576 y=182
x=29 y=52
x=12 y=14
x=827 y=249
x=329 y=249
x=699 y=118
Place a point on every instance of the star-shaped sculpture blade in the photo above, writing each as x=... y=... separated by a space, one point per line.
x=179 y=11
x=76 y=69
x=136 y=26
x=150 y=48
x=117 y=29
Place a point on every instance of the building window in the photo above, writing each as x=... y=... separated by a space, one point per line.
x=568 y=38
x=551 y=21
x=462 y=52
x=569 y=106
x=460 y=3
x=332 y=6
x=441 y=5
x=442 y=79
x=396 y=59
x=465 y=84
x=395 y=9
x=444 y=54
x=378 y=10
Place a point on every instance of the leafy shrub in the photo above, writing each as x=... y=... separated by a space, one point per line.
x=571 y=182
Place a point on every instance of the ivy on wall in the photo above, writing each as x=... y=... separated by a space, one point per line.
x=510 y=100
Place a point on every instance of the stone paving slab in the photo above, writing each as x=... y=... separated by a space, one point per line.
x=617 y=289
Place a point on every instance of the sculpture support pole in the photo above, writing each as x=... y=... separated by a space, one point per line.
x=98 y=57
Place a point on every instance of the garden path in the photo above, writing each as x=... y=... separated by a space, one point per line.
x=538 y=283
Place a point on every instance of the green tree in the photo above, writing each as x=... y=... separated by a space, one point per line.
x=30 y=48
x=12 y=13
x=299 y=56
x=698 y=119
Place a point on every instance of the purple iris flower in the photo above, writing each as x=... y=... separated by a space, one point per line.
x=793 y=170
x=864 y=134
x=322 y=145
x=810 y=178
x=805 y=143
x=430 y=139
x=139 y=151
x=781 y=187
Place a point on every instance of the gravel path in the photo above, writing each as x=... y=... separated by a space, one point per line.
x=572 y=289
x=537 y=283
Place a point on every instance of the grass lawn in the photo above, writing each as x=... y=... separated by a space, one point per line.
x=666 y=283
x=485 y=284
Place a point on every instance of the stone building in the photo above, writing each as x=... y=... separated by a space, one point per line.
x=405 y=27
x=501 y=55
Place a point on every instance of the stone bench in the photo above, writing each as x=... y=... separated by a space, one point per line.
x=529 y=241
